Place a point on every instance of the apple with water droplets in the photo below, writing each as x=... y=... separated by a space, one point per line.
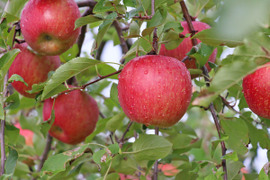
x=185 y=46
x=48 y=26
x=33 y=68
x=76 y=115
x=155 y=90
x=256 y=88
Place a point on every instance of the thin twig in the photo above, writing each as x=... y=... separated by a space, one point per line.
x=83 y=31
x=207 y=80
x=121 y=141
x=226 y=103
x=45 y=152
x=3 y=153
x=123 y=42
x=155 y=37
x=100 y=50
x=155 y=175
x=89 y=3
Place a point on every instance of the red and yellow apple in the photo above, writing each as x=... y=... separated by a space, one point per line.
x=185 y=46
x=155 y=90
x=76 y=115
x=33 y=68
x=256 y=88
x=48 y=26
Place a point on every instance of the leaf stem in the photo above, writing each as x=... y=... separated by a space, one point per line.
x=108 y=170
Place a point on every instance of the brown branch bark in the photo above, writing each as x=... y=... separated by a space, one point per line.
x=46 y=151
x=155 y=175
x=123 y=42
x=121 y=141
x=207 y=80
x=86 y=3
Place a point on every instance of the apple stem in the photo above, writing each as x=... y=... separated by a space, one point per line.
x=155 y=37
x=207 y=80
x=155 y=175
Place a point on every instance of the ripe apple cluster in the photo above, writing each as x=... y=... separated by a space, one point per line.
x=48 y=28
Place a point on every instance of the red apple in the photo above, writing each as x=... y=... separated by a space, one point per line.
x=76 y=115
x=48 y=25
x=155 y=90
x=27 y=134
x=185 y=46
x=168 y=169
x=33 y=68
x=256 y=91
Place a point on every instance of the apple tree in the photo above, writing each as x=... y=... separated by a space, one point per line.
x=188 y=97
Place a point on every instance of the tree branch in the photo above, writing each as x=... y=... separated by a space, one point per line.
x=121 y=141
x=86 y=3
x=155 y=175
x=46 y=151
x=123 y=42
x=207 y=80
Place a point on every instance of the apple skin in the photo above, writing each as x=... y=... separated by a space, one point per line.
x=185 y=46
x=76 y=115
x=27 y=134
x=48 y=25
x=155 y=90
x=33 y=68
x=256 y=91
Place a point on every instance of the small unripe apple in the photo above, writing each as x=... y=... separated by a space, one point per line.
x=33 y=68
x=76 y=115
x=155 y=90
x=48 y=25
x=256 y=91
x=185 y=46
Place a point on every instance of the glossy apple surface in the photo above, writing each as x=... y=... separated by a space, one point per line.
x=48 y=25
x=256 y=88
x=33 y=68
x=76 y=115
x=185 y=46
x=155 y=90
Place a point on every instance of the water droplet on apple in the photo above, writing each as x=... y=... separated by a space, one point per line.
x=146 y=72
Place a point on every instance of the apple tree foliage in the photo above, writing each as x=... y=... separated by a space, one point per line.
x=116 y=146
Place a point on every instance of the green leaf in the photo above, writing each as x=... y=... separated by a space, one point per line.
x=59 y=162
x=46 y=125
x=115 y=122
x=97 y=156
x=103 y=28
x=13 y=101
x=238 y=139
x=71 y=53
x=203 y=54
x=100 y=126
x=6 y=61
x=130 y=3
x=10 y=38
x=114 y=93
x=114 y=148
x=66 y=71
x=210 y=37
x=11 y=161
x=101 y=7
x=16 y=77
x=11 y=133
x=233 y=169
x=87 y=20
x=151 y=147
